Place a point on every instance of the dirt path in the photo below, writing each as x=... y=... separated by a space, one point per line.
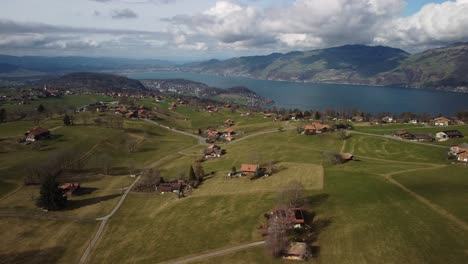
x=201 y=140
x=104 y=220
x=434 y=207
x=213 y=253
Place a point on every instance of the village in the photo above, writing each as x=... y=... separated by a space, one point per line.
x=216 y=165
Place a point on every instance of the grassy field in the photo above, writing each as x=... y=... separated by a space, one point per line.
x=446 y=187
x=43 y=241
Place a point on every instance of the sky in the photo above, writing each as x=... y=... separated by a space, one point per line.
x=204 y=29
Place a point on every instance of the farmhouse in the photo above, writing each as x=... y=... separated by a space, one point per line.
x=248 y=169
x=448 y=134
x=212 y=152
x=170 y=187
x=347 y=156
x=69 y=188
x=441 y=121
x=297 y=251
x=37 y=133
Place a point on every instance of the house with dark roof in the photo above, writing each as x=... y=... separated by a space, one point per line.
x=448 y=134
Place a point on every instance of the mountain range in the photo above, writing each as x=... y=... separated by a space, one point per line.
x=442 y=68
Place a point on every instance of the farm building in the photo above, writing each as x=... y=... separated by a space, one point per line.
x=247 y=169
x=293 y=216
x=448 y=134
x=229 y=122
x=37 y=133
x=297 y=251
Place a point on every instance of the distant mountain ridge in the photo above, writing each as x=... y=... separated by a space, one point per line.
x=441 y=68
x=75 y=63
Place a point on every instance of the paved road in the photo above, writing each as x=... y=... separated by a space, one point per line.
x=398 y=139
x=201 y=140
x=214 y=253
x=104 y=219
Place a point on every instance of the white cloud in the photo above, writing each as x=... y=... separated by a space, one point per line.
x=433 y=25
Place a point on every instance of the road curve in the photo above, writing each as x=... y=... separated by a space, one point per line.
x=201 y=140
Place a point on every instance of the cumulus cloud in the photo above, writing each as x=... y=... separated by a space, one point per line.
x=123 y=13
x=433 y=25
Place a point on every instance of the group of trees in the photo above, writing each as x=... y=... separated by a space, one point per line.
x=150 y=180
x=196 y=174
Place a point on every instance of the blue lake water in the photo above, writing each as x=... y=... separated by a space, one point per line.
x=336 y=96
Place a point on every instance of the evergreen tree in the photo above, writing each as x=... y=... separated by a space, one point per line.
x=67 y=120
x=40 y=108
x=233 y=170
x=3 y=115
x=51 y=197
x=199 y=172
x=192 y=176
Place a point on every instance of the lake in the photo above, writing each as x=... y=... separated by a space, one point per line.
x=337 y=96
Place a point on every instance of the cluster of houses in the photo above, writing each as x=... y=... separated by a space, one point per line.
x=459 y=152
x=133 y=111
x=227 y=134
x=439 y=136
x=316 y=128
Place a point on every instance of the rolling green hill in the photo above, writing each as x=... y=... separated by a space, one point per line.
x=442 y=68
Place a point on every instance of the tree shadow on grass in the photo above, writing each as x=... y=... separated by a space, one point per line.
x=75 y=204
x=48 y=255
x=84 y=191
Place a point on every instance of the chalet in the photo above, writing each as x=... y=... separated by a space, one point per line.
x=441 y=121
x=170 y=187
x=69 y=188
x=297 y=251
x=460 y=152
x=212 y=152
x=413 y=121
x=229 y=132
x=448 y=134
x=229 y=138
x=37 y=133
x=248 y=169
x=229 y=122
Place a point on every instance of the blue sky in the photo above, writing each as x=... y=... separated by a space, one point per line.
x=202 y=29
x=414 y=6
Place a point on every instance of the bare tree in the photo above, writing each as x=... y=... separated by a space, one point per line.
x=277 y=235
x=293 y=195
